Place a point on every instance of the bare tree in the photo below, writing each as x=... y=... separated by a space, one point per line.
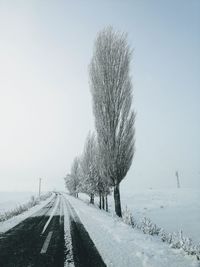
x=111 y=90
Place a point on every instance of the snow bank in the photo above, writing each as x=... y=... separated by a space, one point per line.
x=120 y=245
x=172 y=210
x=9 y=200
x=12 y=222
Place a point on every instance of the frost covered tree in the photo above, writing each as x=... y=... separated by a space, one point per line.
x=102 y=184
x=111 y=90
x=72 y=180
x=86 y=175
x=88 y=170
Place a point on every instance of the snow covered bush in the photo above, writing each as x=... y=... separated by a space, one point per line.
x=148 y=227
x=24 y=207
x=33 y=201
x=165 y=237
x=197 y=252
x=45 y=196
x=127 y=217
x=175 y=240
x=185 y=243
x=178 y=241
x=18 y=210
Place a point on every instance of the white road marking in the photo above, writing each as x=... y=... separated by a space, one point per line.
x=51 y=216
x=46 y=243
x=61 y=210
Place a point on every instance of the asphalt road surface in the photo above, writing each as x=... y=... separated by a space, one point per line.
x=39 y=240
x=84 y=250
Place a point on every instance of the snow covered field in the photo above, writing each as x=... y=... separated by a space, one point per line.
x=171 y=209
x=9 y=200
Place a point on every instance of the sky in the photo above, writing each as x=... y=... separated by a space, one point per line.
x=45 y=100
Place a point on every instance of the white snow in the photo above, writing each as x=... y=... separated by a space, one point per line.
x=120 y=245
x=12 y=222
x=173 y=210
x=53 y=211
x=69 y=261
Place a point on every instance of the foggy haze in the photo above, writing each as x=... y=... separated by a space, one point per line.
x=45 y=101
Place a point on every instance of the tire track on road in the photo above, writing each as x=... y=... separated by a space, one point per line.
x=21 y=245
x=85 y=252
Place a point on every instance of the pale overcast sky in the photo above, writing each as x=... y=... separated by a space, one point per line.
x=45 y=102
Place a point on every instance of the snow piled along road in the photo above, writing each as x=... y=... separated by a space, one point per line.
x=171 y=209
x=120 y=245
x=12 y=222
x=10 y=200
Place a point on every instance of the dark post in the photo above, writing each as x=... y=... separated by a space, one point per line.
x=40 y=179
x=178 y=181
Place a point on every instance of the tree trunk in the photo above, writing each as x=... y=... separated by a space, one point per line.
x=92 y=198
x=117 y=200
x=106 y=202
x=100 y=200
x=103 y=202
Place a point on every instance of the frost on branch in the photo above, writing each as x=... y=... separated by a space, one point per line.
x=175 y=240
x=72 y=180
x=165 y=237
x=148 y=227
x=111 y=89
x=127 y=217
x=181 y=242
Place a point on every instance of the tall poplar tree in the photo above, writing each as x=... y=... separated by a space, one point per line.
x=111 y=89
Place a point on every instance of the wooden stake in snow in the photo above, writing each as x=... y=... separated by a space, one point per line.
x=178 y=181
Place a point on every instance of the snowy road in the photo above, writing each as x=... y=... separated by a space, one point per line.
x=122 y=246
x=67 y=232
x=84 y=250
x=39 y=240
x=27 y=245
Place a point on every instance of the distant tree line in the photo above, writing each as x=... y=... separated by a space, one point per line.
x=108 y=152
x=85 y=175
